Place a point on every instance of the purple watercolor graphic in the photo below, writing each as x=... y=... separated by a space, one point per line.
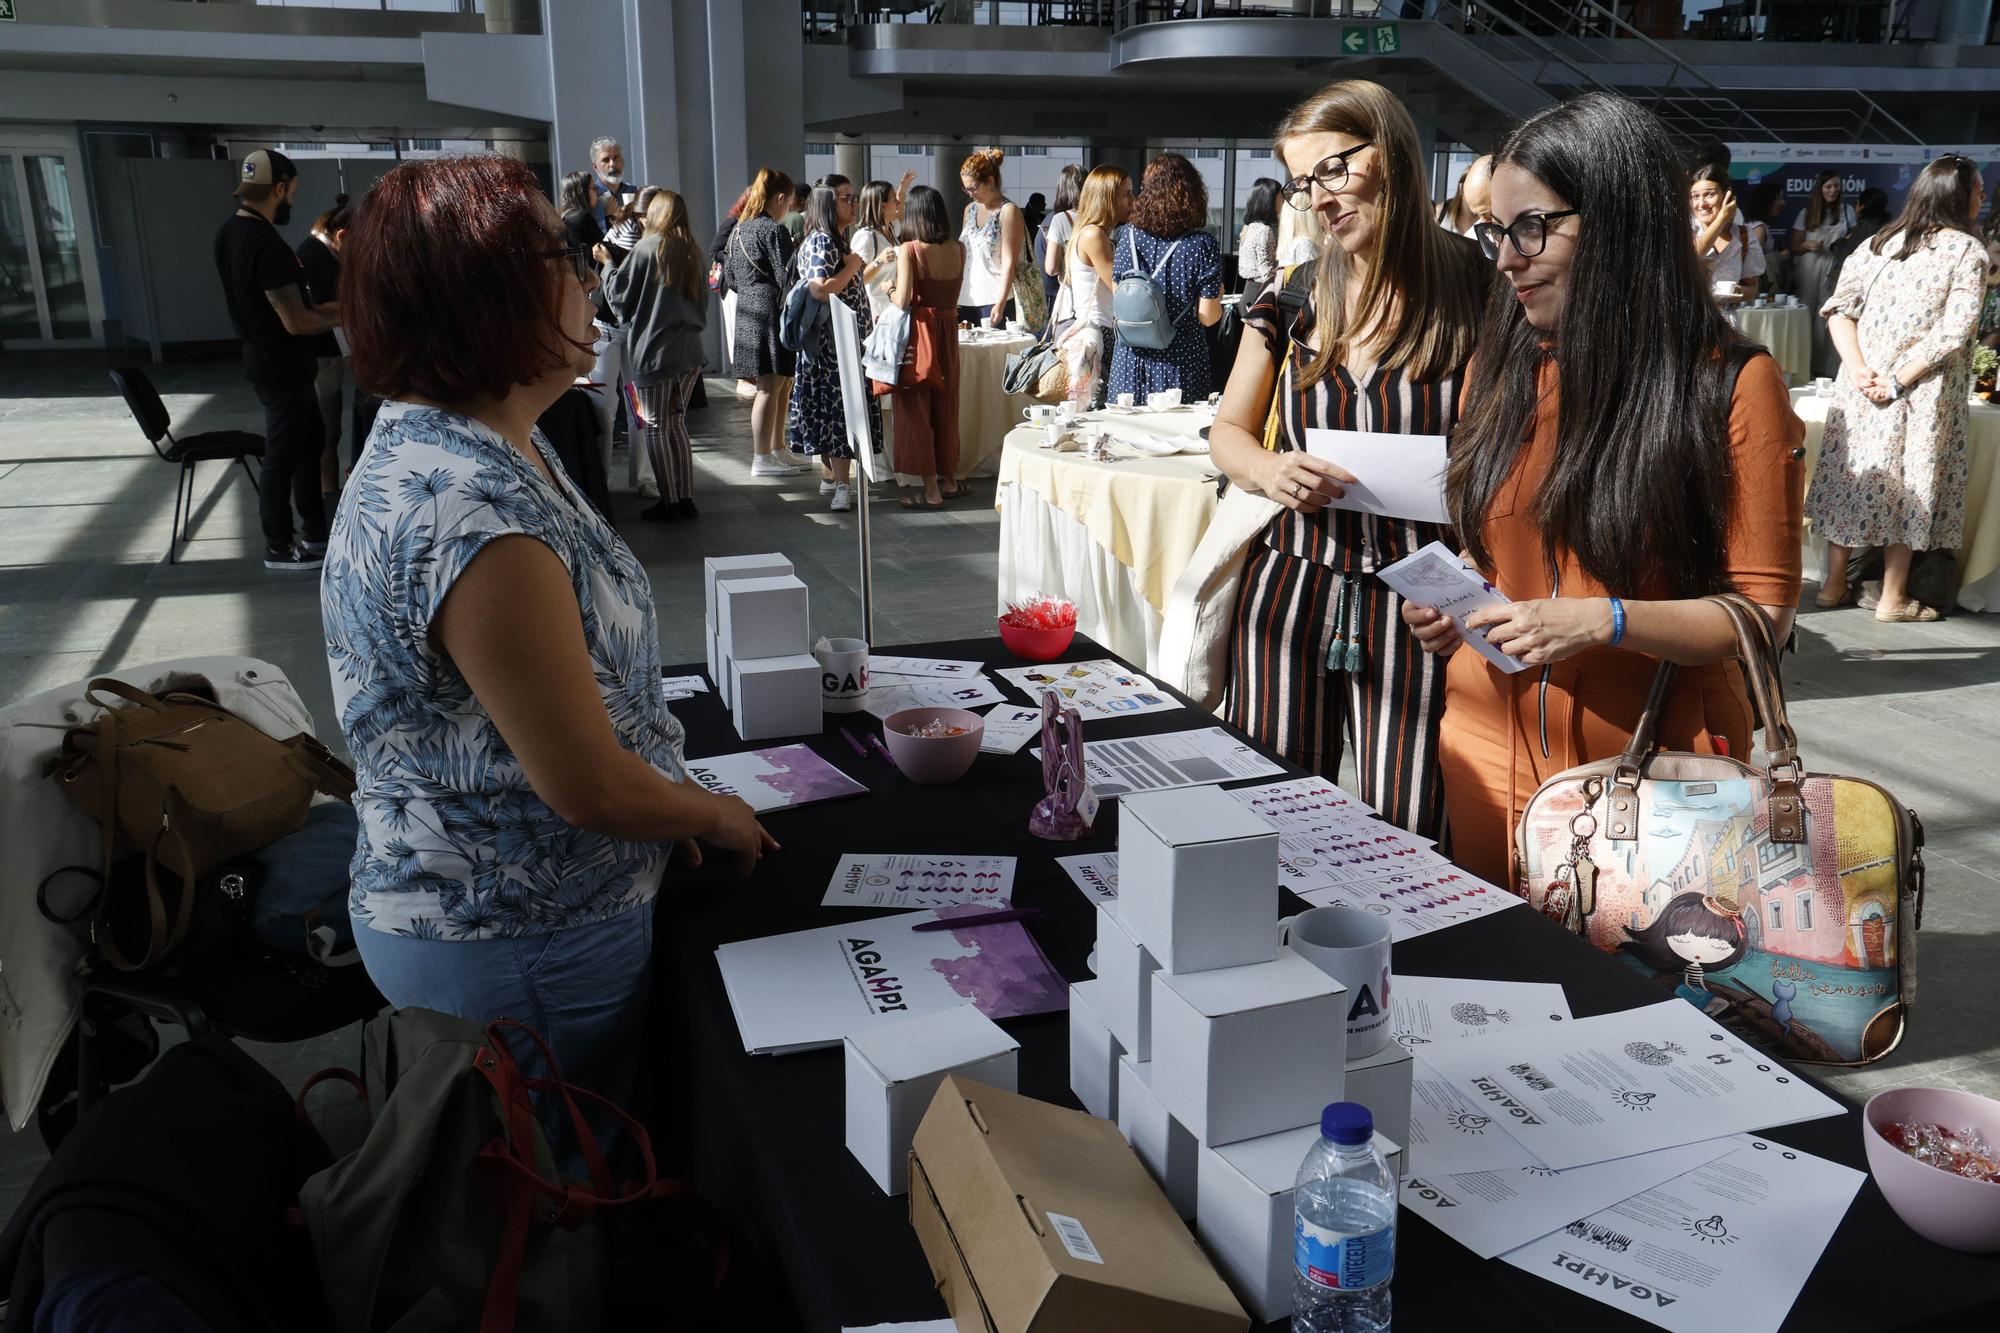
x=1002 y=970
x=802 y=776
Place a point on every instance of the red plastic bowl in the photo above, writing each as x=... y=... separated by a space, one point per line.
x=1036 y=645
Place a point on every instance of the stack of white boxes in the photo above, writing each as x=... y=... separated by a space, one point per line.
x=1227 y=1047
x=759 y=646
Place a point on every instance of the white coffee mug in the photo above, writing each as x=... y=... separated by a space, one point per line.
x=1724 y=288
x=843 y=674
x=1066 y=411
x=1127 y=400
x=1041 y=414
x=1052 y=432
x=1352 y=947
x=1164 y=398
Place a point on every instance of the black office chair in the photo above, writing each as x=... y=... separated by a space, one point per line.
x=214 y=446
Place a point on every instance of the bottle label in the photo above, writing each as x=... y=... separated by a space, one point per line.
x=1328 y=1259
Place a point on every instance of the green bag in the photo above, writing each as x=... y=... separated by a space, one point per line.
x=451 y=1214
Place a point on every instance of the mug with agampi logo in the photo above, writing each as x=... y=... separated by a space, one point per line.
x=1352 y=947
x=843 y=674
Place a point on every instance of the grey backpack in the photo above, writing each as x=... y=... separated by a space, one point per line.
x=1139 y=303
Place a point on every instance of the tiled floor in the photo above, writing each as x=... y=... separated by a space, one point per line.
x=84 y=510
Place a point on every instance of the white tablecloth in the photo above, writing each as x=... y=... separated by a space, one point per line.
x=1787 y=332
x=1979 y=554
x=1112 y=537
x=985 y=413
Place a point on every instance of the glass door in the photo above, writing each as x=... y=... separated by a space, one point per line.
x=44 y=297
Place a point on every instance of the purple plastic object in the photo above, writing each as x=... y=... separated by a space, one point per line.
x=1065 y=812
x=933 y=760
x=1948 y=1209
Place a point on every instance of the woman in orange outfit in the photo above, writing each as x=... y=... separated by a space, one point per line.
x=1625 y=454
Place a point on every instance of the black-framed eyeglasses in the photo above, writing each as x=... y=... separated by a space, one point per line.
x=1331 y=175
x=580 y=259
x=1529 y=233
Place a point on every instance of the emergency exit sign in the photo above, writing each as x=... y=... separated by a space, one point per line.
x=6 y=11
x=1380 y=39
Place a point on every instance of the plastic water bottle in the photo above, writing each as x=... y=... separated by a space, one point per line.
x=1344 y=1228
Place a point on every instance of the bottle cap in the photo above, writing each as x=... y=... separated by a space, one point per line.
x=1347 y=1123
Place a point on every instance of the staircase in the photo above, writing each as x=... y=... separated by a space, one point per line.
x=1561 y=48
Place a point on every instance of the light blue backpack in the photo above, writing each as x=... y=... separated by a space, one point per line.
x=1139 y=303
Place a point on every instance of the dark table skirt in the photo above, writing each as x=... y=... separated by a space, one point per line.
x=765 y=1139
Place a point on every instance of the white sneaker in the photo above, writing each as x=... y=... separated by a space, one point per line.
x=826 y=486
x=843 y=499
x=767 y=465
x=649 y=490
x=791 y=458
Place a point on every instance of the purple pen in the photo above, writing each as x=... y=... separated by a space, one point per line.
x=882 y=750
x=854 y=744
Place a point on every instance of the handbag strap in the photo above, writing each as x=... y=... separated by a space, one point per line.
x=1756 y=650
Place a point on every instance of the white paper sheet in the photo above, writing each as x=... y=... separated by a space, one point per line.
x=774 y=778
x=1096 y=873
x=943 y=668
x=1424 y=1010
x=1096 y=689
x=1728 y=1246
x=1174 y=759
x=1598 y=1088
x=1421 y=901
x=682 y=687
x=1307 y=803
x=854 y=392
x=1008 y=728
x=1434 y=577
x=1449 y=1135
x=1312 y=859
x=918 y=692
x=1489 y=1212
x=914 y=882
x=1398 y=475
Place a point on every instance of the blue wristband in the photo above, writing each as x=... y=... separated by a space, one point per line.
x=1617 y=621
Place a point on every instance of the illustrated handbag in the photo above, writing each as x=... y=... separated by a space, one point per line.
x=1783 y=903
x=1068 y=807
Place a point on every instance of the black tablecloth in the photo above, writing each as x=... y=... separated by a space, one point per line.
x=767 y=1135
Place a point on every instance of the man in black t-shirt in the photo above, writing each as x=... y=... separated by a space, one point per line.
x=265 y=289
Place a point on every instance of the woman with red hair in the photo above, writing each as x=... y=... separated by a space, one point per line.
x=1167 y=240
x=495 y=659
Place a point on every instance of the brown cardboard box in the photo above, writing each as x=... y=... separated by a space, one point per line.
x=1037 y=1219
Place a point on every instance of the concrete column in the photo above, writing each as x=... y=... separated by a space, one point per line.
x=1964 y=22
x=587 y=82
x=945 y=161
x=850 y=159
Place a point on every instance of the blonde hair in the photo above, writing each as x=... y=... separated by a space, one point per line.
x=770 y=184
x=983 y=165
x=1097 y=202
x=680 y=255
x=1425 y=286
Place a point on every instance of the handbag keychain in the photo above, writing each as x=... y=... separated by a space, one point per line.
x=1571 y=896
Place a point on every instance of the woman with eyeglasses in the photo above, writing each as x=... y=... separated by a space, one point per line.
x=492 y=642
x=1892 y=466
x=1371 y=336
x=1624 y=454
x=817 y=423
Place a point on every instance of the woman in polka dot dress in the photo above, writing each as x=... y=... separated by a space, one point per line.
x=1167 y=240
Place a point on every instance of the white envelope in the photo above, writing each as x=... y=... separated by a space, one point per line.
x=1401 y=476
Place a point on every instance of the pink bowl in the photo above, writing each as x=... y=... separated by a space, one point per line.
x=933 y=760
x=1957 y=1213
x=1036 y=645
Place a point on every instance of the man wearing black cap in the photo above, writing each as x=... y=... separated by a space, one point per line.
x=265 y=288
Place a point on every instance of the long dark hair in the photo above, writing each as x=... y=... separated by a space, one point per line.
x=1639 y=486
x=1816 y=204
x=823 y=211
x=1687 y=914
x=1069 y=185
x=1263 y=204
x=574 y=196
x=1940 y=199
x=925 y=218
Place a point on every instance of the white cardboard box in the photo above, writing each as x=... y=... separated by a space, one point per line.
x=1125 y=985
x=1240 y=1052
x=775 y=696
x=717 y=568
x=1244 y=1213
x=1093 y=1053
x=1197 y=879
x=1381 y=1082
x=1161 y=1141
x=720 y=668
x=766 y=617
x=893 y=1071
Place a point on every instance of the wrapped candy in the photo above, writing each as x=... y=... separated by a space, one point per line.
x=1963 y=1152
x=1041 y=613
x=935 y=729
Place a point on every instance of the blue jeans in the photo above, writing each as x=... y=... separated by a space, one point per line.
x=584 y=989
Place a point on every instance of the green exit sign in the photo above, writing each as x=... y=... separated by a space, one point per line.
x=1353 y=41
x=1381 y=40
x=6 y=11
x=1386 y=41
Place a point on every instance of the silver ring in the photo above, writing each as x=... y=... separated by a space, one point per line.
x=1298 y=491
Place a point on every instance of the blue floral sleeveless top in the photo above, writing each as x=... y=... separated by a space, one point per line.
x=454 y=842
